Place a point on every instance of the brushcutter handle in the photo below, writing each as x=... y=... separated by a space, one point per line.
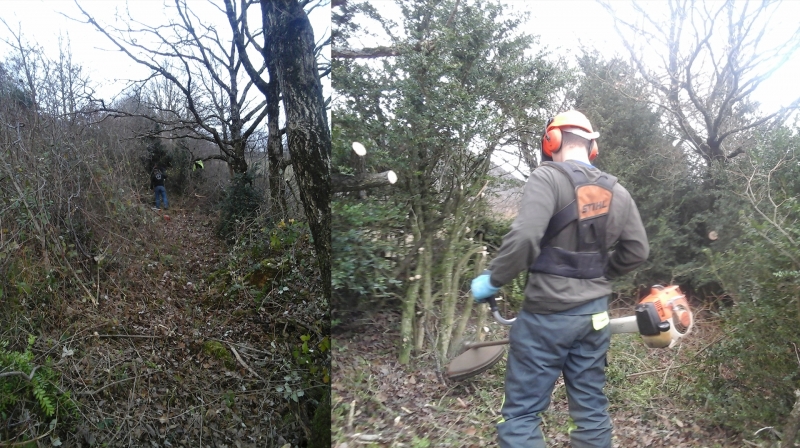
x=496 y=313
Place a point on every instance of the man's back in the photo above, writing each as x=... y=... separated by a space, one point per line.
x=547 y=191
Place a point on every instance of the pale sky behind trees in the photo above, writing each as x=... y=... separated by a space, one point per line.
x=43 y=22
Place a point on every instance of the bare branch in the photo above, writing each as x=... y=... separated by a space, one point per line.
x=28 y=377
x=713 y=62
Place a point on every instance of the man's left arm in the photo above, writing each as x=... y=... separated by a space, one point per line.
x=521 y=244
x=632 y=247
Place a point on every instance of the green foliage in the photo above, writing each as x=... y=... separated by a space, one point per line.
x=39 y=395
x=240 y=203
x=182 y=171
x=677 y=207
x=321 y=423
x=271 y=264
x=362 y=236
x=747 y=379
x=269 y=259
x=628 y=355
x=218 y=351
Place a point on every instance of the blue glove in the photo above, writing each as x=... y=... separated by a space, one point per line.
x=482 y=287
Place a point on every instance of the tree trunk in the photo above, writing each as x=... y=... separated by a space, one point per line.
x=237 y=162
x=426 y=306
x=467 y=312
x=449 y=333
x=290 y=39
x=274 y=141
x=448 y=301
x=792 y=424
x=407 y=320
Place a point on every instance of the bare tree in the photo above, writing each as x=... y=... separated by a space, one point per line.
x=205 y=68
x=704 y=62
x=290 y=54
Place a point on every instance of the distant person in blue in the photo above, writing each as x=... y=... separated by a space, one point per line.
x=157 y=178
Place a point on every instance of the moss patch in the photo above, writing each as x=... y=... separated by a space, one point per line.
x=218 y=351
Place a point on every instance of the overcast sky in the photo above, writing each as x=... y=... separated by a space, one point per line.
x=592 y=27
x=571 y=25
x=43 y=22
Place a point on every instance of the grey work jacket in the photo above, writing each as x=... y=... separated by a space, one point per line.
x=546 y=192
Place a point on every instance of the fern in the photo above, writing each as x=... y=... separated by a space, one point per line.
x=44 y=400
x=38 y=395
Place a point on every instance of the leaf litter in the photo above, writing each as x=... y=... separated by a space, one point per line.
x=138 y=363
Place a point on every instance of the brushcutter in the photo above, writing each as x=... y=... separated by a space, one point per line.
x=662 y=319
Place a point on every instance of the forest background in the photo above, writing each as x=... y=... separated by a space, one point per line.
x=441 y=93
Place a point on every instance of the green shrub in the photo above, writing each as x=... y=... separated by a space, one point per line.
x=181 y=174
x=240 y=202
x=747 y=379
x=362 y=236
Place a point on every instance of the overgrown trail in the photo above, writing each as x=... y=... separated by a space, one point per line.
x=167 y=358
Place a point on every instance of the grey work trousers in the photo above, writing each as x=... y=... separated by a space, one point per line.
x=542 y=347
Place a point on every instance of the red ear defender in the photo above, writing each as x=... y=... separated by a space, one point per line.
x=551 y=142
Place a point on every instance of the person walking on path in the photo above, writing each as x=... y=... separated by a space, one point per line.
x=570 y=217
x=157 y=178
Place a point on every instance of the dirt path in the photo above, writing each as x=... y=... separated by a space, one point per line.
x=168 y=359
x=378 y=402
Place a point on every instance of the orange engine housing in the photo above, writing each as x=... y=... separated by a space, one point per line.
x=674 y=315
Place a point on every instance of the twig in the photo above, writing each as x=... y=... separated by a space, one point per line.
x=26 y=442
x=241 y=361
x=302 y=324
x=29 y=378
x=131 y=336
x=116 y=382
x=671 y=364
x=106 y=386
x=351 y=416
x=631 y=375
x=242 y=346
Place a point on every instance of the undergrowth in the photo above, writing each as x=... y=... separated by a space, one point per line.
x=272 y=264
x=29 y=394
x=240 y=203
